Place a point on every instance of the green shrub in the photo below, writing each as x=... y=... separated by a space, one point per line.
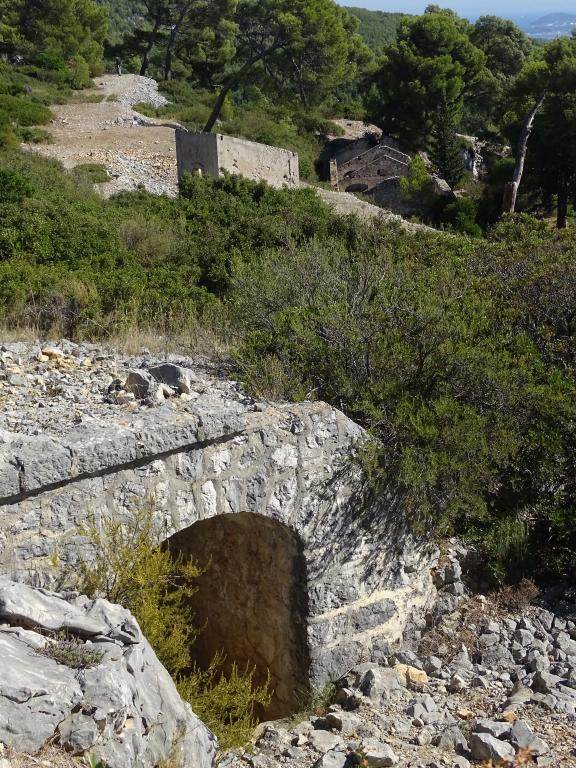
x=79 y=76
x=316 y=124
x=225 y=701
x=35 y=136
x=91 y=173
x=9 y=139
x=315 y=702
x=461 y=215
x=416 y=186
x=13 y=187
x=131 y=568
x=51 y=61
x=459 y=357
x=23 y=111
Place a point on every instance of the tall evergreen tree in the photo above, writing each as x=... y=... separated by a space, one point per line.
x=432 y=55
x=308 y=46
x=53 y=32
x=445 y=149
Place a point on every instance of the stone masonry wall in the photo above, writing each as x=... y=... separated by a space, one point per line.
x=219 y=453
x=212 y=154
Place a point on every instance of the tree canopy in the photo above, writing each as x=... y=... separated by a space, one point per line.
x=53 y=32
x=507 y=48
x=304 y=47
x=433 y=55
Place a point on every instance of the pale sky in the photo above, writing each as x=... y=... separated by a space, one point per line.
x=511 y=9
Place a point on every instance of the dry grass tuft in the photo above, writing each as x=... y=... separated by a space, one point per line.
x=26 y=333
x=515 y=598
x=454 y=631
x=523 y=757
x=461 y=628
x=50 y=756
x=196 y=341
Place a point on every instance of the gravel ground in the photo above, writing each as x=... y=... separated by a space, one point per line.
x=48 y=388
x=136 y=150
x=479 y=708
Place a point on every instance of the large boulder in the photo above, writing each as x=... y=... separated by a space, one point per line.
x=80 y=671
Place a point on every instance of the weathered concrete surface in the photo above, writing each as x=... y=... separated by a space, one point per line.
x=212 y=154
x=122 y=706
x=212 y=452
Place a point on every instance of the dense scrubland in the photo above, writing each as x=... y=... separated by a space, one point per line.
x=457 y=353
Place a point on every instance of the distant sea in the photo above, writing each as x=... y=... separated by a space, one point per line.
x=546 y=26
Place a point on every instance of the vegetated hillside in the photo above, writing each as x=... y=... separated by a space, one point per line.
x=123 y=17
x=458 y=353
x=378 y=28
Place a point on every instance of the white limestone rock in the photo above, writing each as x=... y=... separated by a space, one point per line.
x=124 y=709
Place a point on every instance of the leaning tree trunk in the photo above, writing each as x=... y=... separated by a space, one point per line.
x=215 y=114
x=234 y=80
x=174 y=32
x=562 y=210
x=149 y=46
x=511 y=188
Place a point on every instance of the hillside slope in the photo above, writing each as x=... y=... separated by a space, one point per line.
x=378 y=28
x=135 y=150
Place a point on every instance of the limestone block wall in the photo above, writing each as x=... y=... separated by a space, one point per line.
x=212 y=154
x=366 y=575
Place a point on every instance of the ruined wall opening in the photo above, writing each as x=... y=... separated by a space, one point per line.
x=253 y=600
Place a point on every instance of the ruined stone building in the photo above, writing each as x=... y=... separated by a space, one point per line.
x=372 y=165
x=363 y=166
x=213 y=154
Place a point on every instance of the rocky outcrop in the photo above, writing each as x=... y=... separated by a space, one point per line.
x=310 y=576
x=482 y=683
x=114 y=435
x=78 y=672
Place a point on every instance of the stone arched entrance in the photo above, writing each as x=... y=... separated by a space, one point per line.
x=215 y=457
x=252 y=600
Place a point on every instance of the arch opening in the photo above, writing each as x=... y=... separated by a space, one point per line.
x=252 y=600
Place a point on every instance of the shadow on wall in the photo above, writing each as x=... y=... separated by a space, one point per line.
x=253 y=601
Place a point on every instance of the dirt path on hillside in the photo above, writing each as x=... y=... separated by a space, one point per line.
x=136 y=150
x=141 y=151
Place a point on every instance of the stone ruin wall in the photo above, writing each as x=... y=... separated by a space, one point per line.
x=213 y=154
x=365 y=575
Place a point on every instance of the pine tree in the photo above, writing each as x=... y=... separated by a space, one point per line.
x=445 y=149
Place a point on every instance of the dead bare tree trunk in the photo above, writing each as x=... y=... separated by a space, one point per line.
x=562 y=212
x=511 y=188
